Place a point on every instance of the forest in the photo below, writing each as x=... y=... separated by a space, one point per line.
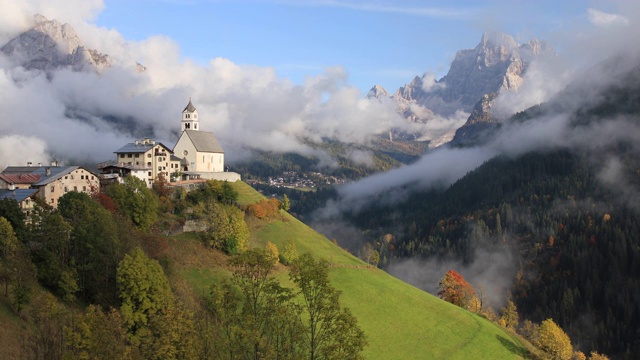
x=569 y=219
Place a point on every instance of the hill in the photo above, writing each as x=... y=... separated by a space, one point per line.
x=399 y=320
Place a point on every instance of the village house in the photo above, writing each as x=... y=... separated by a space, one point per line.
x=24 y=198
x=50 y=182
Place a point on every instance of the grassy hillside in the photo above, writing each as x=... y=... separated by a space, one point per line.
x=399 y=320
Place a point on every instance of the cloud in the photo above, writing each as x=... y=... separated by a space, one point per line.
x=429 y=82
x=600 y=18
x=492 y=271
x=368 y=6
x=247 y=107
x=17 y=150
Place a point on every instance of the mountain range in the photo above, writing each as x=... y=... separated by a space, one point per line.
x=498 y=63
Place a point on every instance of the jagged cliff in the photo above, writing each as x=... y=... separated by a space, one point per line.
x=50 y=45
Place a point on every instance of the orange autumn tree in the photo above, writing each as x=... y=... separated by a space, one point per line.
x=455 y=289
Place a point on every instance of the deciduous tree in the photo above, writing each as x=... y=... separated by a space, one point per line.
x=553 y=341
x=455 y=289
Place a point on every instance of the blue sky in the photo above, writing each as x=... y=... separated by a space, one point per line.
x=376 y=42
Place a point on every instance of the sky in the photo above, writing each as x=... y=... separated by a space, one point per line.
x=273 y=74
x=376 y=42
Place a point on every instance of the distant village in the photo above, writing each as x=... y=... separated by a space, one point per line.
x=196 y=157
x=296 y=180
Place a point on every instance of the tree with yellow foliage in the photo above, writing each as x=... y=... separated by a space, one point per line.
x=553 y=340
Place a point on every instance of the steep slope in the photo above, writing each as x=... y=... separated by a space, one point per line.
x=400 y=321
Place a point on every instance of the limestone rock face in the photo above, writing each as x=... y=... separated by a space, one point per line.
x=496 y=64
x=49 y=45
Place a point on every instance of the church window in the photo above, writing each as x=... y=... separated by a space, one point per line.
x=187 y=126
x=185 y=152
x=195 y=126
x=187 y=116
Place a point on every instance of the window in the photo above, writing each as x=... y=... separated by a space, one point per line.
x=149 y=155
x=187 y=116
x=66 y=177
x=149 y=163
x=91 y=177
x=71 y=177
x=66 y=189
x=53 y=188
x=185 y=152
x=81 y=177
x=149 y=174
x=187 y=126
x=137 y=155
x=75 y=188
x=129 y=155
x=84 y=188
x=195 y=126
x=52 y=200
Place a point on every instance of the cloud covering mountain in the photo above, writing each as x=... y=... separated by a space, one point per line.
x=85 y=115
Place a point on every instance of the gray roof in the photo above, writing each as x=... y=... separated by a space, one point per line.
x=18 y=195
x=189 y=107
x=204 y=141
x=140 y=148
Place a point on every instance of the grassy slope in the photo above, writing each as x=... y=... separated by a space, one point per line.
x=400 y=321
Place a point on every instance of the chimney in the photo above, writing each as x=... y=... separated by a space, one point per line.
x=39 y=164
x=12 y=187
x=47 y=171
x=136 y=142
x=29 y=163
x=54 y=163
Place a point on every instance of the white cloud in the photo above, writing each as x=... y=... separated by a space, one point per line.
x=600 y=18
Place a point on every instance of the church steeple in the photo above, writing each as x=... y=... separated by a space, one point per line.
x=189 y=117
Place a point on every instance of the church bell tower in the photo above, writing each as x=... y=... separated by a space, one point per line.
x=189 y=117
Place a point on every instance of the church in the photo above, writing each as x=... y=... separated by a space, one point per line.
x=196 y=155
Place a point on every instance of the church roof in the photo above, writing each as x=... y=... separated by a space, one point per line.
x=204 y=141
x=189 y=107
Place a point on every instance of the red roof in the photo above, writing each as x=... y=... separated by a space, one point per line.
x=20 y=178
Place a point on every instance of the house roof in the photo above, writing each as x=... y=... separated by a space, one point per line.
x=20 y=178
x=56 y=172
x=18 y=195
x=204 y=141
x=189 y=107
x=139 y=147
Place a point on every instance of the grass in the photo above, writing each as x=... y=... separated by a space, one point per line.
x=399 y=320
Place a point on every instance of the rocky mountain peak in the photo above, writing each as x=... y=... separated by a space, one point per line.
x=49 y=45
x=496 y=64
x=377 y=92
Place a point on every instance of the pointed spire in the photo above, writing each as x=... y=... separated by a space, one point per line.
x=189 y=107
